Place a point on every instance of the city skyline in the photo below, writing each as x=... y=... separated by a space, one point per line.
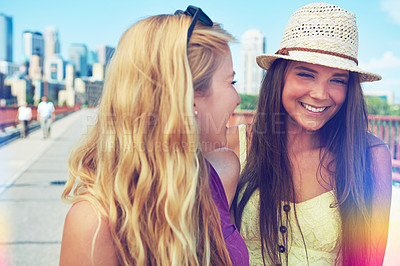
x=95 y=23
x=252 y=44
x=6 y=51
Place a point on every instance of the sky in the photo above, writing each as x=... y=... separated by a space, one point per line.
x=102 y=22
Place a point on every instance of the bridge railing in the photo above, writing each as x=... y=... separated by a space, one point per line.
x=386 y=128
x=8 y=115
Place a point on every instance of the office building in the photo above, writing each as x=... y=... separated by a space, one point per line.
x=8 y=68
x=5 y=91
x=92 y=57
x=78 y=54
x=51 y=42
x=6 y=38
x=33 y=44
x=104 y=54
x=88 y=91
x=253 y=44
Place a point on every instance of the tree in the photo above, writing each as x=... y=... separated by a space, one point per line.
x=249 y=102
x=377 y=106
x=29 y=99
x=394 y=110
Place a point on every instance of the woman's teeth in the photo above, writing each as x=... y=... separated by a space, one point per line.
x=312 y=109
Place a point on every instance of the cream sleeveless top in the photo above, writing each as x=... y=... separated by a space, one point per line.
x=320 y=225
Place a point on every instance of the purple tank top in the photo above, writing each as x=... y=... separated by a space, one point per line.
x=234 y=242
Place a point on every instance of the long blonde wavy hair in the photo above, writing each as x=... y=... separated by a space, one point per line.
x=141 y=165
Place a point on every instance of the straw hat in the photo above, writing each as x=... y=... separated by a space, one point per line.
x=322 y=34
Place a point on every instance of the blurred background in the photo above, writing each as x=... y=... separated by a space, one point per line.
x=61 y=49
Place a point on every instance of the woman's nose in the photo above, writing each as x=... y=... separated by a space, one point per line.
x=320 y=91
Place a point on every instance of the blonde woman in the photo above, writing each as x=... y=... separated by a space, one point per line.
x=316 y=187
x=144 y=193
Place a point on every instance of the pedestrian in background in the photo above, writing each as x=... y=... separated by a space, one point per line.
x=45 y=115
x=24 y=116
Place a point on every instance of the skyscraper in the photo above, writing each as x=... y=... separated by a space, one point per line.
x=104 y=54
x=6 y=38
x=33 y=43
x=253 y=44
x=92 y=57
x=51 y=42
x=78 y=54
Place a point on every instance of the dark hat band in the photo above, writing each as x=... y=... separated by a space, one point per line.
x=285 y=51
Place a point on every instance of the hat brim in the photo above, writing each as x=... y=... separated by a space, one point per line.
x=266 y=60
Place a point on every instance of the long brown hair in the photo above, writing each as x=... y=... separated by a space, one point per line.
x=141 y=166
x=268 y=168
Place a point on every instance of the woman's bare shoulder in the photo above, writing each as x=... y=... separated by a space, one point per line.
x=381 y=159
x=374 y=141
x=84 y=212
x=83 y=227
x=227 y=165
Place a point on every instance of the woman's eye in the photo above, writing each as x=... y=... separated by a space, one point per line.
x=234 y=82
x=305 y=75
x=340 y=81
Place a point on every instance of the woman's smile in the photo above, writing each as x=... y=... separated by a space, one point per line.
x=314 y=109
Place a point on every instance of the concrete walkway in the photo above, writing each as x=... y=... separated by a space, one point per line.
x=32 y=172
